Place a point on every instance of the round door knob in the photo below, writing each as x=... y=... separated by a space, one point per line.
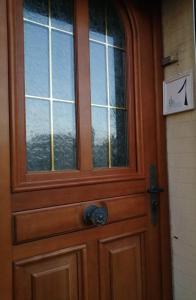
x=94 y=215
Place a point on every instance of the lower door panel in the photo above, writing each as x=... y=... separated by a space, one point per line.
x=101 y=263
x=121 y=266
x=56 y=276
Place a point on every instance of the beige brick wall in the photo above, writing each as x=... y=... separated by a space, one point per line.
x=181 y=150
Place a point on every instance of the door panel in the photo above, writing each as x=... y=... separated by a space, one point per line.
x=55 y=254
x=121 y=267
x=36 y=224
x=91 y=252
x=59 y=275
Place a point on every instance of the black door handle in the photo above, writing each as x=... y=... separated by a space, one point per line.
x=95 y=215
x=154 y=191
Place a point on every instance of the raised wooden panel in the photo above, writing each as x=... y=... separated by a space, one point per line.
x=40 y=223
x=53 y=282
x=60 y=275
x=121 y=268
x=45 y=222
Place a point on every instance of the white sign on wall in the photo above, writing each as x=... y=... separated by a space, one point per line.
x=178 y=94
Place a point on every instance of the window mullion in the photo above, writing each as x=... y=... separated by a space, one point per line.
x=83 y=85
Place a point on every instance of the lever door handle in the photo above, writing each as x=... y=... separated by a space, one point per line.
x=154 y=191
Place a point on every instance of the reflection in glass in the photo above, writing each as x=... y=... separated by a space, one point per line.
x=107 y=70
x=36 y=60
x=118 y=119
x=64 y=136
x=98 y=73
x=36 y=10
x=97 y=20
x=49 y=85
x=62 y=14
x=100 y=137
x=115 y=30
x=38 y=135
x=116 y=77
x=62 y=65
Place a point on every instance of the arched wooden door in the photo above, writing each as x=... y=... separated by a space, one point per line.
x=87 y=151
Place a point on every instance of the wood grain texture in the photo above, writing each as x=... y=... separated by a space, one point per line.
x=85 y=175
x=41 y=223
x=56 y=243
x=49 y=204
x=54 y=276
x=121 y=268
x=70 y=195
x=33 y=253
x=162 y=159
x=5 y=197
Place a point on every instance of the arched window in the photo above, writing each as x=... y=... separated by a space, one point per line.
x=76 y=117
x=50 y=85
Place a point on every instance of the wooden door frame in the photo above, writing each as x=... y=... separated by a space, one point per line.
x=5 y=199
x=165 y=242
x=5 y=203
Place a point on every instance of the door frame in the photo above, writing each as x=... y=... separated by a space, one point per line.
x=5 y=197
x=164 y=213
x=5 y=191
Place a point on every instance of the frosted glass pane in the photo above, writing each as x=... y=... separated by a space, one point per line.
x=116 y=77
x=36 y=10
x=118 y=122
x=64 y=136
x=36 y=60
x=98 y=73
x=38 y=135
x=100 y=137
x=49 y=76
x=63 y=66
x=97 y=20
x=62 y=14
x=114 y=27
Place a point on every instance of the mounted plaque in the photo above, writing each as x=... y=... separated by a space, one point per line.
x=178 y=94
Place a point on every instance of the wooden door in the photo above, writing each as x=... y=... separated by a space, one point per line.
x=85 y=130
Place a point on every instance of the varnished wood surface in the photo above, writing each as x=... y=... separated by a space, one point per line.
x=41 y=223
x=129 y=239
x=166 y=263
x=5 y=203
x=85 y=174
x=121 y=267
x=61 y=275
x=56 y=243
x=37 y=251
x=55 y=197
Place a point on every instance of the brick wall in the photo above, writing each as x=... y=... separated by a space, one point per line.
x=181 y=150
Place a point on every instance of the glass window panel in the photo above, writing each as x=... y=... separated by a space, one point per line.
x=107 y=60
x=114 y=28
x=36 y=60
x=100 y=136
x=64 y=136
x=62 y=65
x=62 y=14
x=118 y=123
x=97 y=20
x=36 y=10
x=98 y=73
x=38 y=135
x=49 y=75
x=116 y=76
